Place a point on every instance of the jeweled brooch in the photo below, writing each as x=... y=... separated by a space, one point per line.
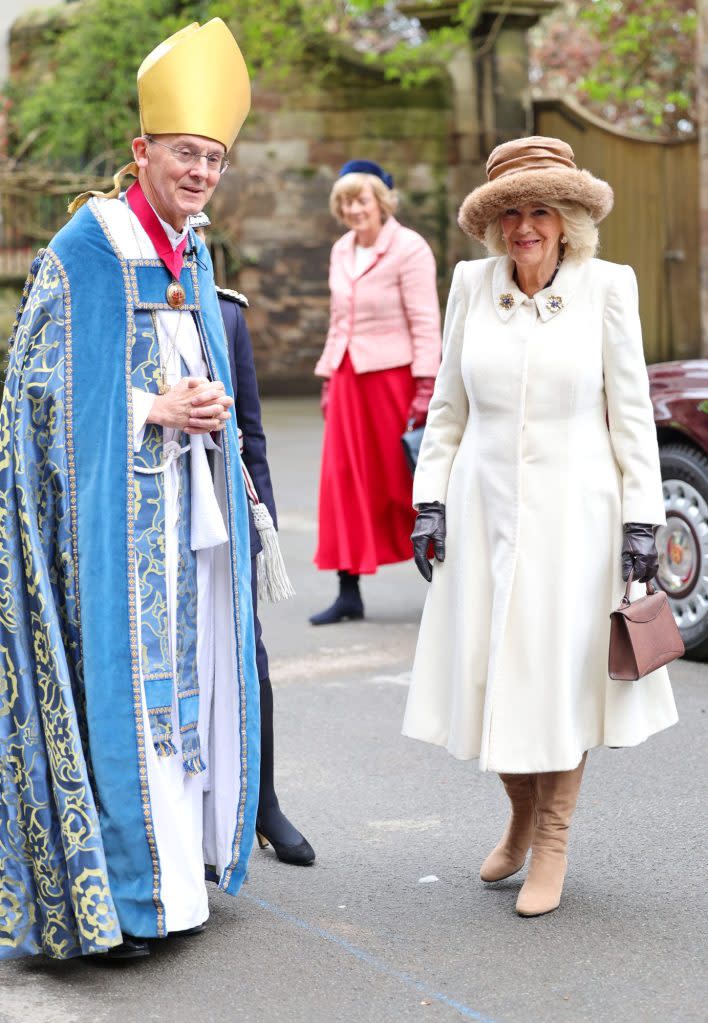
x=554 y=303
x=506 y=301
x=175 y=295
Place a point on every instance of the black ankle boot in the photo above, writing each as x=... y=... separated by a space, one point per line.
x=347 y=605
x=272 y=826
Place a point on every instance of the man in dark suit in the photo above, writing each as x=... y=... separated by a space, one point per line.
x=272 y=826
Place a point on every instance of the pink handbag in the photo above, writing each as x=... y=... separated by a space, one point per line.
x=643 y=635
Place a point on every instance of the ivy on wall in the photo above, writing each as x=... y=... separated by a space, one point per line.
x=632 y=61
x=83 y=103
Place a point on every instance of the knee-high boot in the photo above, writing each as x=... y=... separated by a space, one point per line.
x=509 y=855
x=556 y=798
x=272 y=826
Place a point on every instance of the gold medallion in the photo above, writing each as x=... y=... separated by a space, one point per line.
x=175 y=295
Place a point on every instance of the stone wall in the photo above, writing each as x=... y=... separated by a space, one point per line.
x=272 y=205
x=272 y=230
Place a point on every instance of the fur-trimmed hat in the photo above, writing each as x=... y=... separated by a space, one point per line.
x=534 y=169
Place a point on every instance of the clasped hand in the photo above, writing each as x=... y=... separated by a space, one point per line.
x=194 y=405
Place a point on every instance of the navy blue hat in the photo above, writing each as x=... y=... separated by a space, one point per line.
x=366 y=167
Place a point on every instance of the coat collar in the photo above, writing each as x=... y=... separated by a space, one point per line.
x=507 y=296
x=380 y=246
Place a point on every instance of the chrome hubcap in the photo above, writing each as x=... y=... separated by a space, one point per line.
x=683 y=552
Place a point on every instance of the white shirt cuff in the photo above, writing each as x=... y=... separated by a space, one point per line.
x=142 y=403
x=210 y=444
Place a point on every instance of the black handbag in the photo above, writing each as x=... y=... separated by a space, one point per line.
x=411 y=441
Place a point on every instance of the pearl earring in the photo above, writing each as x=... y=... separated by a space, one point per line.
x=564 y=240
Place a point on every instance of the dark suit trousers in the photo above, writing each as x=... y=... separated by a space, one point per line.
x=261 y=652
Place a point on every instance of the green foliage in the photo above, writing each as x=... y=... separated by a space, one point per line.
x=412 y=62
x=85 y=106
x=416 y=65
x=633 y=61
x=650 y=60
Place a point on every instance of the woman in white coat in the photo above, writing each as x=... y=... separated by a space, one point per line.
x=538 y=487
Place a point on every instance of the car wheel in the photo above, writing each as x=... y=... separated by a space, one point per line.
x=683 y=543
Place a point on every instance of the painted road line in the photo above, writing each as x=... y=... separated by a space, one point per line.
x=372 y=961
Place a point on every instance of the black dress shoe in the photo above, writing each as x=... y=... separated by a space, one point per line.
x=129 y=948
x=289 y=845
x=188 y=932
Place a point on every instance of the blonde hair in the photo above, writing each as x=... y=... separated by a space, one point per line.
x=349 y=186
x=578 y=227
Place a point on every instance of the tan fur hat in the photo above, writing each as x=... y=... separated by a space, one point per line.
x=534 y=169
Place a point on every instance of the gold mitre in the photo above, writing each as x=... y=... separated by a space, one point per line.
x=195 y=83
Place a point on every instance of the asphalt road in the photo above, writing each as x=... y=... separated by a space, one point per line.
x=392 y=923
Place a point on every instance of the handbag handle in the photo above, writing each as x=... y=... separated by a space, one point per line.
x=649 y=585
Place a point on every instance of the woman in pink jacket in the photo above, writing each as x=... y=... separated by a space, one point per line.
x=379 y=363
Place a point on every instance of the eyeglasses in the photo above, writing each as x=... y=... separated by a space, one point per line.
x=191 y=157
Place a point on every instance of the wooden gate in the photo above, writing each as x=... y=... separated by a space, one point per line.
x=654 y=225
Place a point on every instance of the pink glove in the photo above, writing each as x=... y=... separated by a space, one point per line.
x=324 y=398
x=418 y=412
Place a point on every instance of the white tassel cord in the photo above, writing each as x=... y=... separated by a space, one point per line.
x=273 y=581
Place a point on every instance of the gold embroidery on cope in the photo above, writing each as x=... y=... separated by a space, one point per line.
x=130 y=301
x=69 y=428
x=90 y=897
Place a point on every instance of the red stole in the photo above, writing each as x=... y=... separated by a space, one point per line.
x=172 y=258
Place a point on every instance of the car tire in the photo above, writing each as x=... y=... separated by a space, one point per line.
x=683 y=543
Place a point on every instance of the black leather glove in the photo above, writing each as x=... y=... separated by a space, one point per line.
x=429 y=528
x=639 y=552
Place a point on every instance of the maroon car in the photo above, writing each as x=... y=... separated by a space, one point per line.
x=679 y=391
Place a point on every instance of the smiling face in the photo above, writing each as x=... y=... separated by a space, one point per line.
x=175 y=189
x=532 y=236
x=361 y=213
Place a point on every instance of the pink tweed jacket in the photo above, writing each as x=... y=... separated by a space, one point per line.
x=388 y=315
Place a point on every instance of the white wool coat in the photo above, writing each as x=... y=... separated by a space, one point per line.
x=540 y=442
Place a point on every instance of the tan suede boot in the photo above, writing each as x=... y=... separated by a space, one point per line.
x=509 y=855
x=556 y=796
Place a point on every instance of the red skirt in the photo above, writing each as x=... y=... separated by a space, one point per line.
x=365 y=512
